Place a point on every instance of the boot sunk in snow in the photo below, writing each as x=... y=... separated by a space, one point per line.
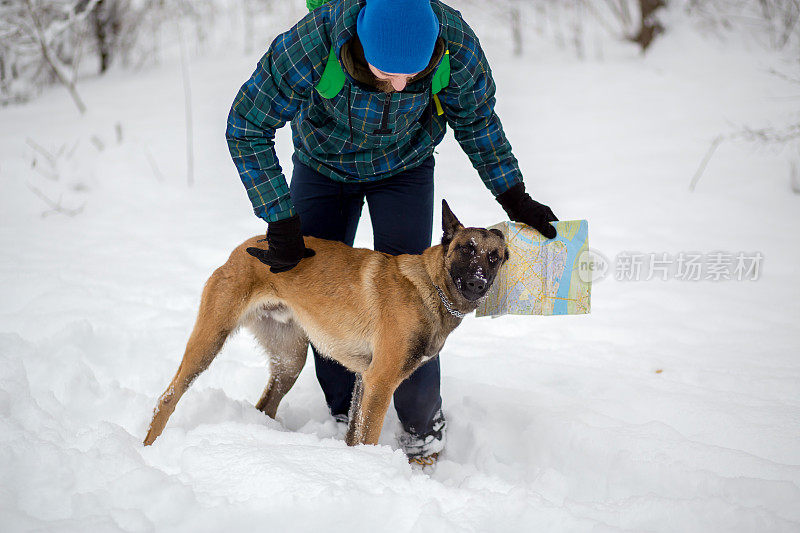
x=423 y=450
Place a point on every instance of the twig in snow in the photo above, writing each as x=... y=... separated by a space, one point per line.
x=784 y=76
x=762 y=135
x=187 y=106
x=795 y=177
x=711 y=149
x=98 y=143
x=55 y=207
x=52 y=176
x=71 y=151
x=153 y=166
x=38 y=147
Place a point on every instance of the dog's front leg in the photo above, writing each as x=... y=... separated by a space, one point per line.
x=371 y=397
x=355 y=427
x=368 y=409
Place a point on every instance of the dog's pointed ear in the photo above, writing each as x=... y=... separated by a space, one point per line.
x=450 y=224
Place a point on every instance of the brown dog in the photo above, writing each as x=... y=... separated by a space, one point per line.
x=380 y=316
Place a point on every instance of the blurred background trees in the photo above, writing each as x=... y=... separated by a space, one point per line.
x=44 y=42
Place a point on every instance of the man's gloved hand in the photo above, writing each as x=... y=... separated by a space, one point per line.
x=520 y=207
x=286 y=246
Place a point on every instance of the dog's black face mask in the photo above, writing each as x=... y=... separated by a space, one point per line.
x=473 y=256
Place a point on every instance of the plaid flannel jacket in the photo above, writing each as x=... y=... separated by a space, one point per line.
x=361 y=134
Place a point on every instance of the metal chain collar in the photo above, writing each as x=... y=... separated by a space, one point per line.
x=456 y=313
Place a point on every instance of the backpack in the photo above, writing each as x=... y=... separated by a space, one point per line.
x=333 y=78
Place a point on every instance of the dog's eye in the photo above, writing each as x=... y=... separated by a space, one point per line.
x=494 y=257
x=467 y=249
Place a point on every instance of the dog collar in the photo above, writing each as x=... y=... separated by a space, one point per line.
x=447 y=305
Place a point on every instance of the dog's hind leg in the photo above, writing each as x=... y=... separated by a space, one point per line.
x=220 y=308
x=287 y=347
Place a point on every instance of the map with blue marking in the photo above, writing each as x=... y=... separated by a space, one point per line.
x=542 y=276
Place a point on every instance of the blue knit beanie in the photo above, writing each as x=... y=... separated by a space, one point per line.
x=398 y=36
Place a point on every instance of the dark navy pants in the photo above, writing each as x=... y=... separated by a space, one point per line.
x=401 y=210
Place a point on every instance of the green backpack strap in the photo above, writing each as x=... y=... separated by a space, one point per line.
x=441 y=79
x=333 y=78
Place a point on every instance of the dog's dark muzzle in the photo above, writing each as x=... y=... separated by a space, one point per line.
x=473 y=287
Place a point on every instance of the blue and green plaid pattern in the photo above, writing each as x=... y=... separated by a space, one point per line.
x=348 y=138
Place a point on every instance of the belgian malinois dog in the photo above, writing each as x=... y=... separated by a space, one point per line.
x=379 y=315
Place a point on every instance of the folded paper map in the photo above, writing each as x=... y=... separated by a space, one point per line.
x=542 y=276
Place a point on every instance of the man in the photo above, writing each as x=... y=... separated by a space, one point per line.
x=406 y=69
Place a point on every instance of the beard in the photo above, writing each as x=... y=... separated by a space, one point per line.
x=384 y=86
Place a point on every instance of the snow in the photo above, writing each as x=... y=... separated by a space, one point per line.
x=673 y=406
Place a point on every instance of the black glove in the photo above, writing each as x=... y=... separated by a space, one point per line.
x=520 y=207
x=286 y=246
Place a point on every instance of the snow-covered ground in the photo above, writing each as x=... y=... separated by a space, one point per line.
x=674 y=406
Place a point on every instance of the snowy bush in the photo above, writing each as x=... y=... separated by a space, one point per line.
x=43 y=42
x=772 y=23
x=573 y=24
x=581 y=25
